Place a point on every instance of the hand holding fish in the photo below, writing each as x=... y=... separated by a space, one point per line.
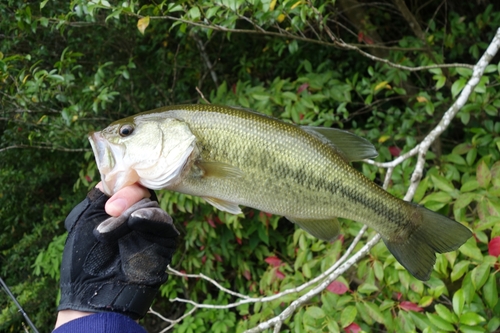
x=115 y=264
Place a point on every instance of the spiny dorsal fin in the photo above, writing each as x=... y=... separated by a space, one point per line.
x=223 y=205
x=327 y=230
x=351 y=146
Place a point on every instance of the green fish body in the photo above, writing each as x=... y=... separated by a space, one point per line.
x=232 y=157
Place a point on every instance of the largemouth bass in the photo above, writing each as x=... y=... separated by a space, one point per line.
x=231 y=157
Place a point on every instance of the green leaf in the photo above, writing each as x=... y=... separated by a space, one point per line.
x=462 y=71
x=455 y=159
x=348 y=315
x=459 y=270
x=425 y=301
x=445 y=313
x=374 y=312
x=470 y=249
x=458 y=301
x=194 y=13
x=315 y=312
x=440 y=322
x=471 y=329
x=442 y=183
x=458 y=86
x=437 y=197
x=471 y=319
x=470 y=185
x=471 y=156
x=493 y=324
x=464 y=200
x=441 y=80
x=483 y=174
x=490 y=291
x=367 y=288
x=480 y=275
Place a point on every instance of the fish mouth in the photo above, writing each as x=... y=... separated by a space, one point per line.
x=106 y=159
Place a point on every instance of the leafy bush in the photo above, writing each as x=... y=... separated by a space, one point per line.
x=66 y=70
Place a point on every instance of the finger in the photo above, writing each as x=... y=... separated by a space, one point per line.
x=124 y=198
x=115 y=227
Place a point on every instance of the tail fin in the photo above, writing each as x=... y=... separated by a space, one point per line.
x=435 y=233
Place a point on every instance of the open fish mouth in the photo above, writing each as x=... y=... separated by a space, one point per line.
x=100 y=148
x=108 y=157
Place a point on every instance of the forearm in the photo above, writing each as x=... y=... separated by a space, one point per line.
x=65 y=316
x=70 y=321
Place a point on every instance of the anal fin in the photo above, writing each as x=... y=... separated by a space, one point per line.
x=223 y=205
x=327 y=230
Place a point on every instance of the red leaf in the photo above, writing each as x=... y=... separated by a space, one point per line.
x=203 y=260
x=494 y=247
x=273 y=261
x=340 y=239
x=233 y=88
x=218 y=257
x=352 y=328
x=395 y=151
x=361 y=36
x=247 y=274
x=279 y=274
x=302 y=87
x=87 y=178
x=211 y=222
x=398 y=296
x=409 y=306
x=367 y=40
x=337 y=287
x=238 y=240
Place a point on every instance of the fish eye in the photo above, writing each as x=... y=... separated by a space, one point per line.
x=126 y=130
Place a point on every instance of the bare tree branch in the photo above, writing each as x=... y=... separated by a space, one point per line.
x=335 y=42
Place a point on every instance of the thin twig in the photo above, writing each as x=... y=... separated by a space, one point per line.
x=334 y=43
x=246 y=299
x=202 y=96
x=206 y=59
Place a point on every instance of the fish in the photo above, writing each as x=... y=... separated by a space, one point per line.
x=234 y=157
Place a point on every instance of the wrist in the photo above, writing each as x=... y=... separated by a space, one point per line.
x=65 y=316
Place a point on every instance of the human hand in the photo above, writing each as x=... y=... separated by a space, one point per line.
x=117 y=266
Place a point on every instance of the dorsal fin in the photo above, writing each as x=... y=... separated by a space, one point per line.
x=351 y=146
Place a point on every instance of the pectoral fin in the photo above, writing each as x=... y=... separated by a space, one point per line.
x=351 y=146
x=326 y=230
x=219 y=169
x=223 y=205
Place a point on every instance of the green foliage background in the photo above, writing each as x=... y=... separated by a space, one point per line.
x=67 y=68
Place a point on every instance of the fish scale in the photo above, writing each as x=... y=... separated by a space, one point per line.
x=232 y=156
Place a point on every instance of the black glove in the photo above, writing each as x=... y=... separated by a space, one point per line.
x=115 y=264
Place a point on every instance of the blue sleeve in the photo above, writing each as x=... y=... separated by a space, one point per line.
x=102 y=322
